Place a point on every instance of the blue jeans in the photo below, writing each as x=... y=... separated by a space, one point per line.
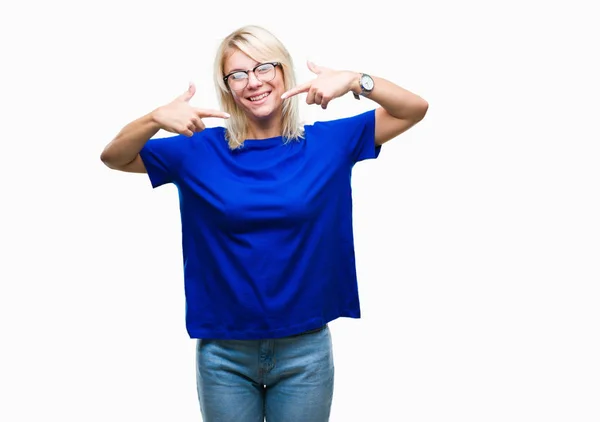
x=286 y=379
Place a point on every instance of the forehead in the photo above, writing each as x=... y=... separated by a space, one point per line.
x=238 y=61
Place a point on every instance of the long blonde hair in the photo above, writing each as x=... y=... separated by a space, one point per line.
x=260 y=45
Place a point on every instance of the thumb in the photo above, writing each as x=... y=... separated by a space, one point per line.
x=313 y=67
x=189 y=93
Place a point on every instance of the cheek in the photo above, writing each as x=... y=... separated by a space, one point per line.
x=280 y=84
x=237 y=99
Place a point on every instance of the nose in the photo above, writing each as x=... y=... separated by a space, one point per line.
x=253 y=81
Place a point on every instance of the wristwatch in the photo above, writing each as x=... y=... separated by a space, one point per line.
x=366 y=85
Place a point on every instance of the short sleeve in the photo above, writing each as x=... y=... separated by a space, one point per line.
x=354 y=136
x=162 y=158
x=362 y=137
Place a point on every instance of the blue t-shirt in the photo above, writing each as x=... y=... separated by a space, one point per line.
x=267 y=235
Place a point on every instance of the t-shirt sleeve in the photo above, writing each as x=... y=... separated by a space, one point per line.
x=362 y=136
x=354 y=136
x=162 y=158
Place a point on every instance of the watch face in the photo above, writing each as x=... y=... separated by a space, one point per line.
x=367 y=82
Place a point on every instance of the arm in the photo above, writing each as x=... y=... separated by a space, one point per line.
x=399 y=109
x=123 y=152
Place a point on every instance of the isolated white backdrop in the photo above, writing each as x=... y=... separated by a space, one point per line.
x=477 y=231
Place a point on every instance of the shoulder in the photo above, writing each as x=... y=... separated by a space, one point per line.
x=213 y=133
x=350 y=122
x=353 y=136
x=343 y=127
x=210 y=134
x=180 y=144
x=210 y=138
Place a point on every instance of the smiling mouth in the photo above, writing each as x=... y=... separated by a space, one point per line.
x=259 y=97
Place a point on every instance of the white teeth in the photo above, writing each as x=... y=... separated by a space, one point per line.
x=260 y=97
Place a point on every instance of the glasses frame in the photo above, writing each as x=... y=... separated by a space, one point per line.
x=247 y=72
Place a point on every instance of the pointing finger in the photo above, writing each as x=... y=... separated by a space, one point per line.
x=202 y=112
x=296 y=90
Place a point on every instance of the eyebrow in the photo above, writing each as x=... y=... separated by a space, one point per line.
x=242 y=70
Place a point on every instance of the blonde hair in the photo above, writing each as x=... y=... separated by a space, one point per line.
x=262 y=46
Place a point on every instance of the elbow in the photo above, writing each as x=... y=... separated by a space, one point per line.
x=107 y=159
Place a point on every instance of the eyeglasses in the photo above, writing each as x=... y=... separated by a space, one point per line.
x=264 y=72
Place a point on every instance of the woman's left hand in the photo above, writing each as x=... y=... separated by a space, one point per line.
x=328 y=84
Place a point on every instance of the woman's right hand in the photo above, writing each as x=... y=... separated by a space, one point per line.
x=180 y=117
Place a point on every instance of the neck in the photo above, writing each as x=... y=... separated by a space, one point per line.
x=262 y=129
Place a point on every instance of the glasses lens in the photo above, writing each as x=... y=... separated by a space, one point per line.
x=265 y=72
x=237 y=80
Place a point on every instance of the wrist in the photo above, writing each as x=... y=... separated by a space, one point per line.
x=365 y=84
x=355 y=86
x=154 y=118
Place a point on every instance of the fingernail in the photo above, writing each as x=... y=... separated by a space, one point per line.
x=283 y=97
x=227 y=114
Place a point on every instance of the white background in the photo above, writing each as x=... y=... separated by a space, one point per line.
x=477 y=231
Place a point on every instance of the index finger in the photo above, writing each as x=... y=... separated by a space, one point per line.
x=203 y=112
x=297 y=90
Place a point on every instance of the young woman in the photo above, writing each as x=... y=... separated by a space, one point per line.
x=266 y=215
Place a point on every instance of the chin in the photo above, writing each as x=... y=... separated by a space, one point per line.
x=262 y=116
x=263 y=111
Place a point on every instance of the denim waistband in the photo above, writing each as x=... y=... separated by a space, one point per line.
x=311 y=331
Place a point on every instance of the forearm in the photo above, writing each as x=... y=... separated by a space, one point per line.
x=397 y=101
x=125 y=147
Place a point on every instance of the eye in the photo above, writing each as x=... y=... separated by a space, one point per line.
x=264 y=68
x=237 y=76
